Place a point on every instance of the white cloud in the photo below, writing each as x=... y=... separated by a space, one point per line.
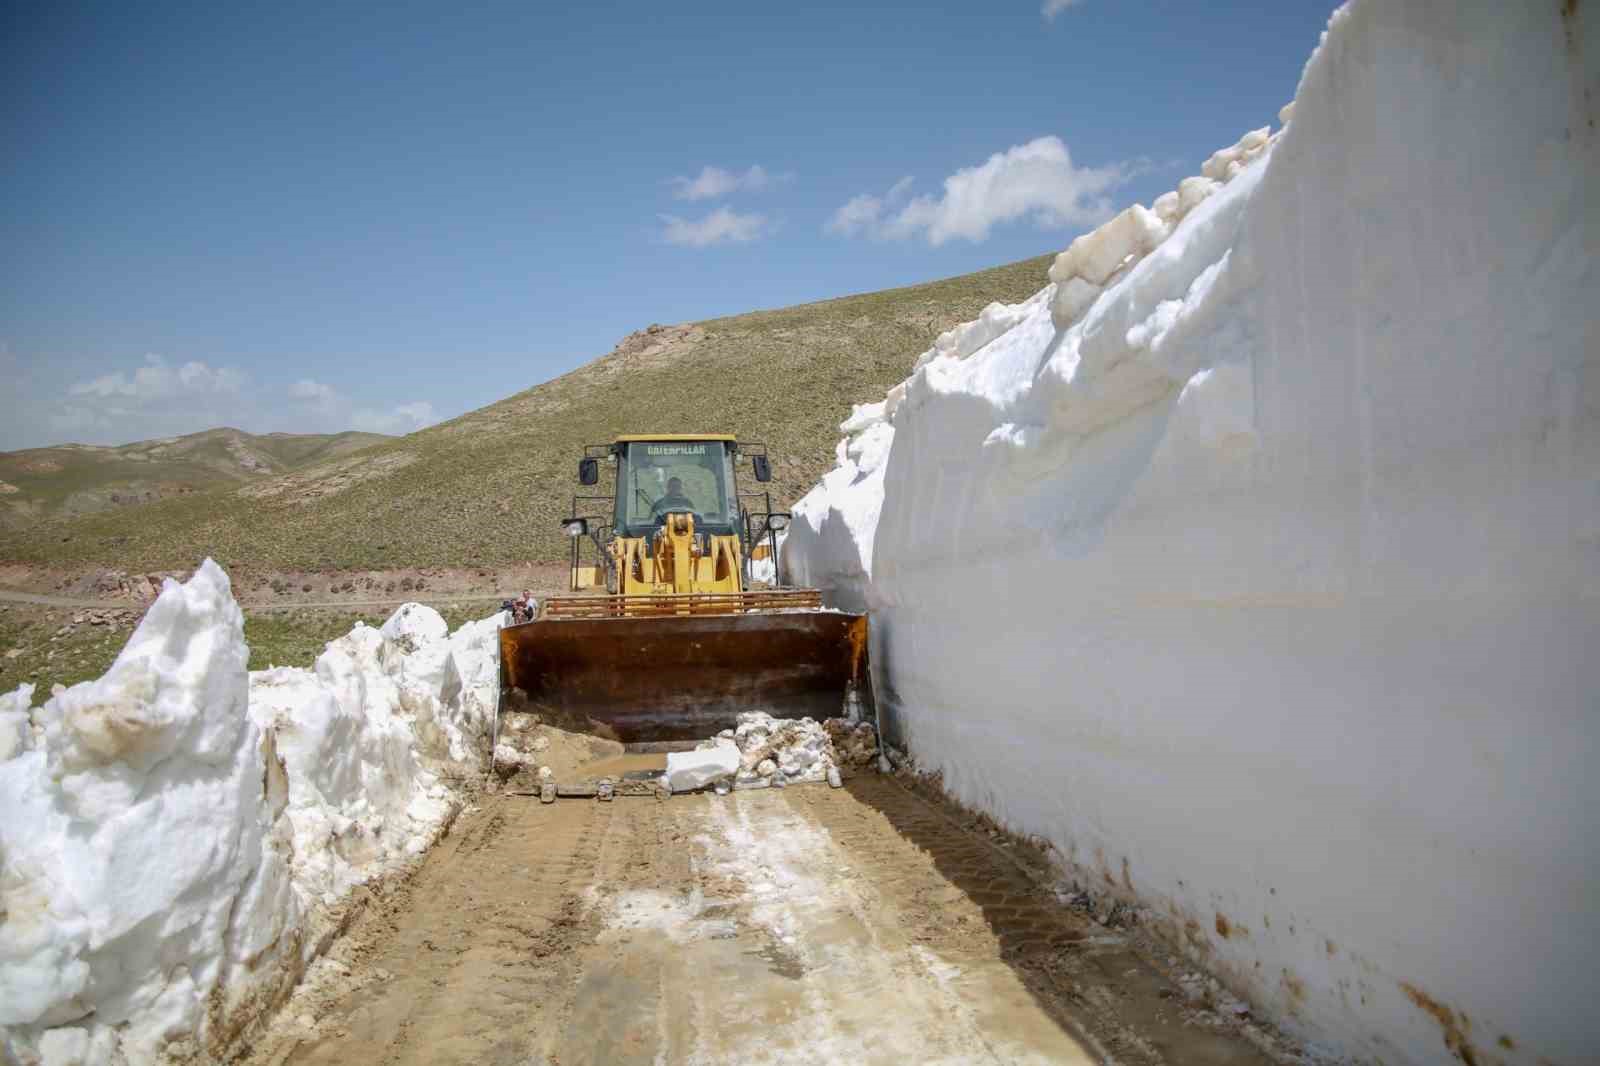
x=152 y=398
x=1036 y=180
x=864 y=213
x=315 y=394
x=713 y=182
x=1052 y=8
x=720 y=226
x=325 y=400
x=307 y=389
x=402 y=418
x=158 y=381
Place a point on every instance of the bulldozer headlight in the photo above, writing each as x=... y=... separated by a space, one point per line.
x=575 y=527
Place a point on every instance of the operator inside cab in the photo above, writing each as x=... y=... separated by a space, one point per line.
x=674 y=501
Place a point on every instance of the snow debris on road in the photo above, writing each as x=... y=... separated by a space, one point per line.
x=763 y=751
x=714 y=761
x=855 y=744
x=177 y=831
x=780 y=750
x=1251 y=562
x=509 y=761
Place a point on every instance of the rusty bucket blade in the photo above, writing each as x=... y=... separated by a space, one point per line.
x=684 y=677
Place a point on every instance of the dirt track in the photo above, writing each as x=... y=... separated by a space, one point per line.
x=41 y=600
x=273 y=590
x=797 y=925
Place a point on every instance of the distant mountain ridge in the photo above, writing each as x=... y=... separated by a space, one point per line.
x=67 y=480
x=488 y=488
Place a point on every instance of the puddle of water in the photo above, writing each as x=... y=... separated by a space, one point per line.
x=617 y=767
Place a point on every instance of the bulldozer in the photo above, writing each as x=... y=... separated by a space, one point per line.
x=669 y=631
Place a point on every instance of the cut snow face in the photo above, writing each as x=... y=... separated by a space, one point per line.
x=177 y=830
x=1251 y=561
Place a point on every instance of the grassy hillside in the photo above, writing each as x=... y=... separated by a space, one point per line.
x=489 y=487
x=76 y=479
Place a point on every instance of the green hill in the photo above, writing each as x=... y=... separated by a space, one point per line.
x=76 y=479
x=488 y=488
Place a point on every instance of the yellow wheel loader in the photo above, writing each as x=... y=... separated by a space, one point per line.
x=667 y=636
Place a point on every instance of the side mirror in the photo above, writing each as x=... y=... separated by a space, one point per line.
x=589 y=471
x=762 y=468
x=576 y=527
x=777 y=522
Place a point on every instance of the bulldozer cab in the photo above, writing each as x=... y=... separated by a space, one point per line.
x=621 y=541
x=660 y=477
x=667 y=638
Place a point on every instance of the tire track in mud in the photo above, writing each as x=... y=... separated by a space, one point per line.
x=472 y=960
x=39 y=599
x=623 y=1008
x=962 y=896
x=811 y=924
x=740 y=931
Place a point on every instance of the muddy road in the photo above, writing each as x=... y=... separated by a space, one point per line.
x=807 y=924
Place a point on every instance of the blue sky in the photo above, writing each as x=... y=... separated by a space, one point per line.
x=309 y=217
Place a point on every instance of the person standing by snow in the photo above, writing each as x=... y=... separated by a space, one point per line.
x=523 y=609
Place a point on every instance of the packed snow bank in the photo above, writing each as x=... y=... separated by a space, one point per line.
x=176 y=831
x=1255 y=563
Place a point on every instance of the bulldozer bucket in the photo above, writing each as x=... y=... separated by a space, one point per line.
x=685 y=677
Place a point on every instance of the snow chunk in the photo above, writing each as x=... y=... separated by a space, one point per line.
x=799 y=749
x=1093 y=259
x=892 y=399
x=510 y=760
x=1220 y=166
x=1193 y=191
x=475 y=647
x=1073 y=298
x=862 y=415
x=446 y=685
x=413 y=626
x=993 y=322
x=691 y=770
x=16 y=730
x=1098 y=255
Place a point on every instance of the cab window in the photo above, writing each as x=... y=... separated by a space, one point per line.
x=662 y=477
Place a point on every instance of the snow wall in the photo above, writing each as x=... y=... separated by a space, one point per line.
x=1255 y=562
x=176 y=837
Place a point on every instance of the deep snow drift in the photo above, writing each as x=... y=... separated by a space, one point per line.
x=175 y=832
x=1255 y=561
